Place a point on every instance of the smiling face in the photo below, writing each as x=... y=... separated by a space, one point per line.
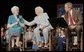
x=68 y=7
x=38 y=11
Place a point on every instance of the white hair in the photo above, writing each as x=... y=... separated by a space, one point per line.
x=39 y=8
x=14 y=7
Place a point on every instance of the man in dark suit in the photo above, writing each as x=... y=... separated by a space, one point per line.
x=72 y=16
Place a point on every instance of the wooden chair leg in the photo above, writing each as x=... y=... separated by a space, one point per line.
x=50 y=42
x=9 y=46
x=23 y=43
x=81 y=45
x=67 y=39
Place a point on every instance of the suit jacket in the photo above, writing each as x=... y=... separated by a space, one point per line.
x=76 y=16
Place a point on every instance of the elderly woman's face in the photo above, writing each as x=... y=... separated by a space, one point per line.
x=15 y=11
x=38 y=12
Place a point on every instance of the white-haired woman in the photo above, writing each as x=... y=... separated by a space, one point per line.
x=15 y=24
x=42 y=23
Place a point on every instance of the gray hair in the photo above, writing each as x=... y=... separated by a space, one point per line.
x=14 y=7
x=39 y=8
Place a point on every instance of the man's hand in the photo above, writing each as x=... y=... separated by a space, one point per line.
x=72 y=26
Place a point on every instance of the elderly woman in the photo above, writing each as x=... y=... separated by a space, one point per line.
x=15 y=25
x=42 y=25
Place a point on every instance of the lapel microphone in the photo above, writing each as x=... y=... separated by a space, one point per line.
x=17 y=16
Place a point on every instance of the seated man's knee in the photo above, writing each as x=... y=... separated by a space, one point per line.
x=78 y=27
